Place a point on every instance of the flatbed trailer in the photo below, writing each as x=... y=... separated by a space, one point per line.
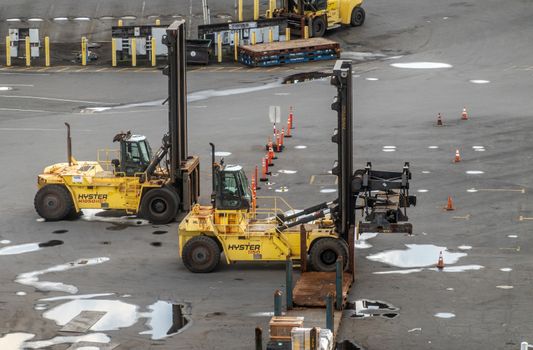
x=287 y=52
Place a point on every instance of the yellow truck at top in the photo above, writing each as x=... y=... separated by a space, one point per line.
x=321 y=15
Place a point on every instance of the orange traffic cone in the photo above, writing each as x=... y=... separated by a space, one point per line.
x=457 y=158
x=264 y=169
x=288 y=134
x=291 y=116
x=464 y=115
x=440 y=263
x=439 y=120
x=449 y=205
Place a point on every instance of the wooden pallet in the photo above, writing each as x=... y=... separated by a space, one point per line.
x=291 y=45
x=313 y=287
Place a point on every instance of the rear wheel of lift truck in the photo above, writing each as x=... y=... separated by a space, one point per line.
x=358 y=17
x=159 y=205
x=54 y=202
x=319 y=27
x=324 y=253
x=201 y=254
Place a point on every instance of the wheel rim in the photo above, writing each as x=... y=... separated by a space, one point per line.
x=358 y=17
x=51 y=202
x=200 y=255
x=328 y=257
x=158 y=206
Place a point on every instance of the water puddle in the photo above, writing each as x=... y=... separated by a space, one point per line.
x=283 y=171
x=262 y=314
x=471 y=190
x=59 y=19
x=399 y=272
x=478 y=148
x=444 y=315
x=361 y=242
x=158 y=232
x=40 y=307
x=433 y=147
x=372 y=79
x=5 y=241
x=32 y=278
x=417 y=329
x=112 y=216
x=465 y=247
x=59 y=232
x=479 y=81
x=300 y=147
x=421 y=65
x=422 y=190
x=512 y=236
x=416 y=255
x=458 y=268
x=304 y=77
x=505 y=287
x=222 y=154
x=20 y=293
x=28 y=247
x=389 y=147
x=475 y=172
x=328 y=190
x=450 y=289
x=163 y=318
x=506 y=269
x=364 y=308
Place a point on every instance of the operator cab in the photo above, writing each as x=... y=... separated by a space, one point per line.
x=232 y=191
x=135 y=154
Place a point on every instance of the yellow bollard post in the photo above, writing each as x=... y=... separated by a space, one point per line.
x=253 y=38
x=158 y=22
x=256 y=10
x=236 y=46
x=120 y=23
x=113 y=52
x=270 y=35
x=272 y=6
x=154 y=58
x=8 y=51
x=240 y=10
x=133 y=50
x=219 y=48
x=47 y=51
x=28 y=51
x=287 y=34
x=306 y=32
x=83 y=51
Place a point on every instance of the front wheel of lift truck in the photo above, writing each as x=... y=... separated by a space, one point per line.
x=159 y=205
x=324 y=253
x=201 y=254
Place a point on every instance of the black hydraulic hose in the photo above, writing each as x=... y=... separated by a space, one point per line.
x=308 y=210
x=303 y=220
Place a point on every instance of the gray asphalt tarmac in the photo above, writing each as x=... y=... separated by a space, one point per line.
x=480 y=40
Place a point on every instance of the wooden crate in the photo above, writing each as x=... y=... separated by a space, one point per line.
x=281 y=326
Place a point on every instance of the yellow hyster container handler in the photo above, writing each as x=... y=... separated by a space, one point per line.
x=321 y=15
x=231 y=225
x=153 y=186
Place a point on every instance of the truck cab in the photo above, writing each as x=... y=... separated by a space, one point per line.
x=232 y=191
x=135 y=154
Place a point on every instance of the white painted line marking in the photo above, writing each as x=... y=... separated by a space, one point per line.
x=50 y=99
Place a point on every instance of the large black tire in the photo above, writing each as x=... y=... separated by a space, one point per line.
x=358 y=17
x=53 y=202
x=159 y=205
x=319 y=27
x=323 y=254
x=201 y=254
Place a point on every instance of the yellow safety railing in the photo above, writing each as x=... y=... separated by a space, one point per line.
x=105 y=156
